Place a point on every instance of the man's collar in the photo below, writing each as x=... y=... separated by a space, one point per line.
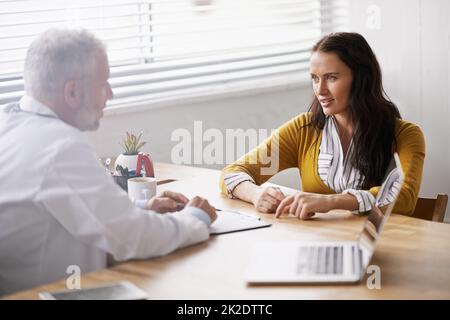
x=31 y=105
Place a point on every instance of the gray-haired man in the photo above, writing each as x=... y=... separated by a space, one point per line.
x=58 y=206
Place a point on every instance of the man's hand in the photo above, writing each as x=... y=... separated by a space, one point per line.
x=203 y=204
x=268 y=199
x=166 y=202
x=304 y=205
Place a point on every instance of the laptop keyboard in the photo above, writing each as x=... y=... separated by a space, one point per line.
x=321 y=260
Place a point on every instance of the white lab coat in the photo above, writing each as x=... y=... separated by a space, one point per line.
x=59 y=207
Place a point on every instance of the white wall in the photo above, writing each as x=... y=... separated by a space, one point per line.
x=266 y=109
x=413 y=47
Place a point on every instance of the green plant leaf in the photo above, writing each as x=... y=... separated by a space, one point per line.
x=140 y=145
x=132 y=143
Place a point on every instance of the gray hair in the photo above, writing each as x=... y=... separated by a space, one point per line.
x=58 y=55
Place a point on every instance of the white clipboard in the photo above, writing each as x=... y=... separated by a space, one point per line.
x=233 y=221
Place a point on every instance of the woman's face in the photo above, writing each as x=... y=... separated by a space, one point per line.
x=332 y=81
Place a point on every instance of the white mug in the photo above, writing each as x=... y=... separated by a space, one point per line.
x=141 y=188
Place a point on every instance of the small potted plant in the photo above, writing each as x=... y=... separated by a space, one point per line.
x=125 y=164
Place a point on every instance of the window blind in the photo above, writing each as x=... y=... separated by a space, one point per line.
x=170 y=48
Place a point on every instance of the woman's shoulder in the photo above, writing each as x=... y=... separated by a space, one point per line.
x=402 y=126
x=299 y=126
x=408 y=131
x=305 y=117
x=301 y=121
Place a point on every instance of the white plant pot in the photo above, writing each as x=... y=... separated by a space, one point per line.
x=126 y=161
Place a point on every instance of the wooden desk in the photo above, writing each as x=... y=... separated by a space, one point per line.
x=414 y=255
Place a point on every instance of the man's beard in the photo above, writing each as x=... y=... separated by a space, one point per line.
x=86 y=118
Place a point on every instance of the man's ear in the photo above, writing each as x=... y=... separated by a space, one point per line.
x=72 y=94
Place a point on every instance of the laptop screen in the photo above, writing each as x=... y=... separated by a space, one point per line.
x=385 y=202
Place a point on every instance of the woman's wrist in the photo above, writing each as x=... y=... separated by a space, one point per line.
x=255 y=193
x=247 y=191
x=343 y=201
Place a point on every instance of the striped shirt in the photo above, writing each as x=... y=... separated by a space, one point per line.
x=336 y=171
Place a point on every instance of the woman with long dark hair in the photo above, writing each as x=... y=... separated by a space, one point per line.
x=343 y=146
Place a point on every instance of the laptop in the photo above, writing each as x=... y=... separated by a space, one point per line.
x=331 y=261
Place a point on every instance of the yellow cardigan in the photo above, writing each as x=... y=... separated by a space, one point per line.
x=299 y=147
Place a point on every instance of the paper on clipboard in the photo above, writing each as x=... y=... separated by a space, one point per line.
x=233 y=221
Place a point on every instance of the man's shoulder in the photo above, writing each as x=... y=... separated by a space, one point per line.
x=34 y=131
x=52 y=136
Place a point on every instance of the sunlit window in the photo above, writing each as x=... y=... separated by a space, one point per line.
x=174 y=48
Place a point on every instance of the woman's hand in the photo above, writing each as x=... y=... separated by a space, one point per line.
x=267 y=200
x=304 y=205
x=168 y=201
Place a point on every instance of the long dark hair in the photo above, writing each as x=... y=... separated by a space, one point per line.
x=372 y=113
